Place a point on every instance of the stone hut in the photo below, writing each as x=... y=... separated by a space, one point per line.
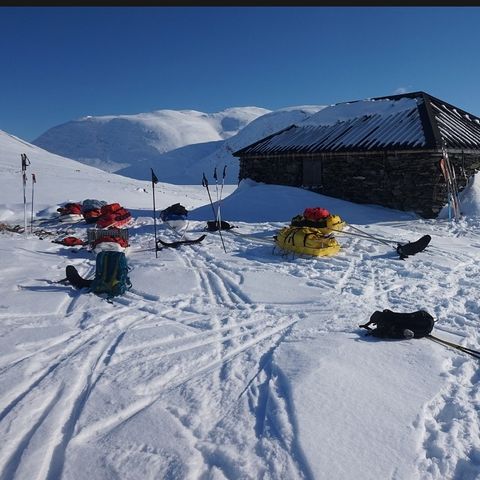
x=405 y=152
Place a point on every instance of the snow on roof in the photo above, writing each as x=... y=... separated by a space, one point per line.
x=363 y=125
x=352 y=110
x=402 y=122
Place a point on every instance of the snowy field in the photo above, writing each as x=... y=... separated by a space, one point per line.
x=243 y=364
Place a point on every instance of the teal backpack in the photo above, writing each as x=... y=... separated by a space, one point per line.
x=111 y=274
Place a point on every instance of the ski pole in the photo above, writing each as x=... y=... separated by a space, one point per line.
x=205 y=184
x=221 y=191
x=34 y=181
x=223 y=181
x=216 y=181
x=24 y=203
x=469 y=351
x=399 y=248
x=217 y=216
x=386 y=242
x=25 y=163
x=360 y=235
x=154 y=181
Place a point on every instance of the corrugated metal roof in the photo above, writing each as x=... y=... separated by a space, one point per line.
x=401 y=122
x=459 y=129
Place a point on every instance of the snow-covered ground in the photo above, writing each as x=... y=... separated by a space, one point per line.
x=238 y=365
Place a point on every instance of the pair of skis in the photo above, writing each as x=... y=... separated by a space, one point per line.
x=216 y=214
x=162 y=243
x=452 y=188
x=183 y=241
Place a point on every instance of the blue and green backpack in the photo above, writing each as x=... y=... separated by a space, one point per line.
x=111 y=274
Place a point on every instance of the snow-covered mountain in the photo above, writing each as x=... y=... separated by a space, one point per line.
x=178 y=145
x=113 y=142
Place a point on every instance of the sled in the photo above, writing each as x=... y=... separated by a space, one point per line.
x=306 y=241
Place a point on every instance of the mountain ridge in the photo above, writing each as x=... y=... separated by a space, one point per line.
x=179 y=144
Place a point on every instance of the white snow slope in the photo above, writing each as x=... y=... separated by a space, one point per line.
x=179 y=145
x=242 y=364
x=116 y=141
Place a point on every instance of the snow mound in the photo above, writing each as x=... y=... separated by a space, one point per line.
x=254 y=202
x=469 y=200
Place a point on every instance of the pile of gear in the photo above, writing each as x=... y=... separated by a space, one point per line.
x=311 y=233
x=104 y=215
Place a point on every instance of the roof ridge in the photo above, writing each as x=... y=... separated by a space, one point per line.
x=429 y=122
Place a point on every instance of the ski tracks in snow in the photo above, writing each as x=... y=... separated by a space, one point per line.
x=371 y=279
x=52 y=391
x=218 y=341
x=449 y=425
x=450 y=445
x=209 y=360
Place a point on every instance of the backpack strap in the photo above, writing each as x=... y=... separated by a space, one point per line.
x=290 y=237
x=100 y=281
x=104 y=267
x=112 y=274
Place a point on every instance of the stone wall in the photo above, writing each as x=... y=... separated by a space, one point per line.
x=279 y=170
x=408 y=180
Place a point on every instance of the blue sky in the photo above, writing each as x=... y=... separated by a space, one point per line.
x=62 y=63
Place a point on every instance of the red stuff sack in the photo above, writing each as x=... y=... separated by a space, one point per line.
x=70 y=241
x=70 y=208
x=316 y=214
x=110 y=208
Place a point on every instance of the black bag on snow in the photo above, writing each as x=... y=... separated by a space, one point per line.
x=111 y=274
x=412 y=248
x=212 y=226
x=175 y=210
x=400 y=325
